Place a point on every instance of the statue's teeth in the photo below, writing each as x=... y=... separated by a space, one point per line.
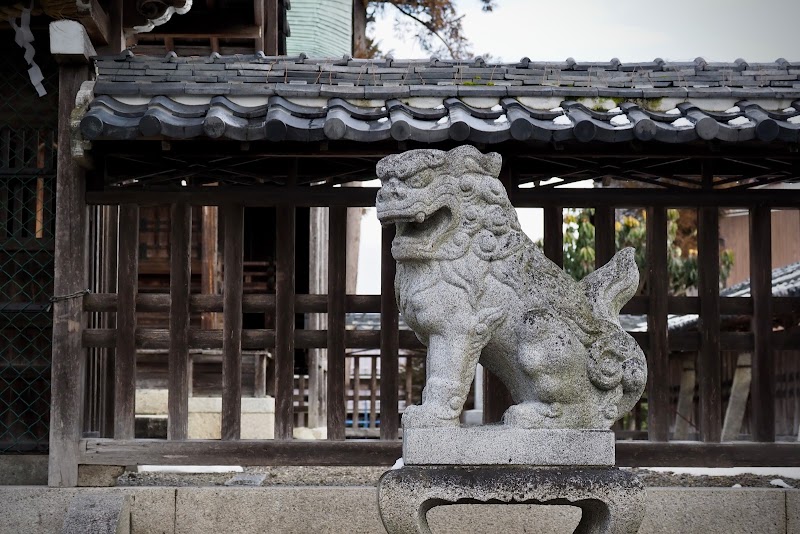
x=420 y=217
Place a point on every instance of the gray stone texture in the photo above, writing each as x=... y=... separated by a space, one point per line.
x=612 y=501
x=98 y=476
x=23 y=469
x=98 y=513
x=503 y=445
x=793 y=512
x=41 y=510
x=475 y=289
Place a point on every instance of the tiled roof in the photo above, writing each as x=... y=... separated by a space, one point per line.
x=370 y=100
x=785 y=283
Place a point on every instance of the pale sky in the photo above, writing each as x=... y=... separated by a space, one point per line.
x=677 y=30
x=598 y=30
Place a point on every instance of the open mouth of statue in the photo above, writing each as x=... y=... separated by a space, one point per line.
x=421 y=228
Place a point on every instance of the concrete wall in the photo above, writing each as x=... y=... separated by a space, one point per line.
x=322 y=510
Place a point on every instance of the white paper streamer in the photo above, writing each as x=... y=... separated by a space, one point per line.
x=24 y=37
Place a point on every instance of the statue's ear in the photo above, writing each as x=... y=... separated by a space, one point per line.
x=493 y=162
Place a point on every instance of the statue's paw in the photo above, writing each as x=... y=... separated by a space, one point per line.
x=532 y=415
x=429 y=415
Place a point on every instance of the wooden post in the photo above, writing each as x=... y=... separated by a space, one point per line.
x=389 y=339
x=737 y=402
x=260 y=360
x=284 y=321
x=763 y=379
x=709 y=365
x=209 y=272
x=685 y=412
x=270 y=29
x=658 y=408
x=604 y=235
x=553 y=236
x=337 y=277
x=69 y=356
x=232 y=322
x=179 y=280
x=127 y=284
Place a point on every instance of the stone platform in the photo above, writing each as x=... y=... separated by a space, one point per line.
x=504 y=445
x=612 y=501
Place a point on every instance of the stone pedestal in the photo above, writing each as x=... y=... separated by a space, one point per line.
x=612 y=501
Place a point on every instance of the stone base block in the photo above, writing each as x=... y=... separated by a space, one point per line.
x=612 y=501
x=503 y=445
x=205 y=418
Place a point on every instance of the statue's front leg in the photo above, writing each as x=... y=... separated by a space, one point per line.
x=451 y=364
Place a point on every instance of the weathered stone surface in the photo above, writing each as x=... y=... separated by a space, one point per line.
x=474 y=288
x=97 y=513
x=23 y=469
x=793 y=511
x=42 y=510
x=502 y=445
x=99 y=475
x=612 y=501
x=245 y=479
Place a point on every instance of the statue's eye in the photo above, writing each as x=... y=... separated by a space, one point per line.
x=418 y=180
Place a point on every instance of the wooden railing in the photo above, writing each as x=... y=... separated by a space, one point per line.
x=179 y=338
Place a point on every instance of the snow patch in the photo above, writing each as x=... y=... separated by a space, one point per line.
x=497 y=107
x=620 y=120
x=734 y=109
x=780 y=483
x=383 y=119
x=398 y=464
x=562 y=120
x=440 y=106
x=559 y=109
x=794 y=120
x=673 y=111
x=682 y=123
x=738 y=122
x=502 y=119
x=383 y=109
x=443 y=120
x=789 y=110
x=615 y=110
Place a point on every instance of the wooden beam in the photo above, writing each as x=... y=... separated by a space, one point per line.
x=380 y=452
x=763 y=385
x=604 y=235
x=524 y=198
x=270 y=29
x=237 y=31
x=337 y=279
x=232 y=323
x=709 y=363
x=258 y=16
x=389 y=339
x=284 y=321
x=179 y=283
x=658 y=405
x=209 y=274
x=67 y=374
x=554 y=234
x=97 y=22
x=127 y=284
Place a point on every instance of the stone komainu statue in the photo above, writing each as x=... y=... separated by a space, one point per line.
x=475 y=289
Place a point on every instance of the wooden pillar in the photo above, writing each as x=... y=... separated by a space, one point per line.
x=284 y=321
x=658 y=408
x=709 y=365
x=389 y=339
x=179 y=280
x=232 y=323
x=737 y=402
x=604 y=235
x=70 y=277
x=684 y=416
x=209 y=274
x=763 y=366
x=554 y=234
x=337 y=277
x=125 y=365
x=270 y=29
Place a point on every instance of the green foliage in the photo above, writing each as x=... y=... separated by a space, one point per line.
x=579 y=254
